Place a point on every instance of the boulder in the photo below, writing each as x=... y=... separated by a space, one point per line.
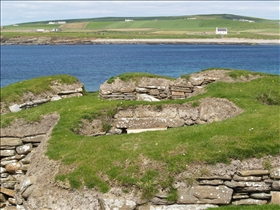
x=205 y=195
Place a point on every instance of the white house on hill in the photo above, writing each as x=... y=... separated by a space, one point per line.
x=221 y=30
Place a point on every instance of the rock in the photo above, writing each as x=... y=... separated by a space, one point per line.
x=9 y=184
x=253 y=173
x=154 y=92
x=217 y=109
x=4 y=163
x=5 y=153
x=144 y=130
x=275 y=197
x=15 y=108
x=249 y=201
x=276 y=185
x=178 y=94
x=2 y=170
x=141 y=90
x=177 y=207
x=205 y=195
x=12 y=201
x=144 y=123
x=115 y=131
x=252 y=187
x=186 y=112
x=226 y=177
x=10 y=142
x=211 y=182
x=117 y=204
x=13 y=167
x=27 y=159
x=146 y=97
x=33 y=139
x=275 y=173
x=24 y=149
x=27 y=182
x=15 y=157
x=8 y=192
x=261 y=196
x=28 y=191
x=240 y=196
x=2 y=198
x=161 y=201
x=196 y=81
x=56 y=98
x=246 y=178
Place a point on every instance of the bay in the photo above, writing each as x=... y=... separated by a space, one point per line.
x=94 y=64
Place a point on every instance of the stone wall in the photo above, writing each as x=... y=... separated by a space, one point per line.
x=149 y=117
x=18 y=143
x=29 y=100
x=153 y=89
x=27 y=180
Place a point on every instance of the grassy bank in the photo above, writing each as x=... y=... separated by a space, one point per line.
x=106 y=161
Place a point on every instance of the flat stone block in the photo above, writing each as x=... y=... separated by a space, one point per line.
x=275 y=197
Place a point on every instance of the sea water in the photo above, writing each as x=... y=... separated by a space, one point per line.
x=94 y=64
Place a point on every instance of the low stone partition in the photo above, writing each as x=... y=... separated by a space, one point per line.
x=57 y=91
x=51 y=97
x=18 y=143
x=153 y=89
x=150 y=117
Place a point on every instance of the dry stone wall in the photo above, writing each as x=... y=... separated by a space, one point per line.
x=18 y=144
x=149 y=118
x=27 y=180
x=29 y=100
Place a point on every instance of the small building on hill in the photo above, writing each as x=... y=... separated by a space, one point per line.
x=221 y=30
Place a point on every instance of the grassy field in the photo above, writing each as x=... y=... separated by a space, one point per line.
x=106 y=161
x=155 y=27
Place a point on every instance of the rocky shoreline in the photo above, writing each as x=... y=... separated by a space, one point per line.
x=45 y=40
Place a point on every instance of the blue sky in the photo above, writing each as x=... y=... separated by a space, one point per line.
x=13 y=12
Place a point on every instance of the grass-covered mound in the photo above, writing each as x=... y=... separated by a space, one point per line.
x=150 y=160
x=14 y=92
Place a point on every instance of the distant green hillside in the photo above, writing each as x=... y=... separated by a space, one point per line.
x=196 y=26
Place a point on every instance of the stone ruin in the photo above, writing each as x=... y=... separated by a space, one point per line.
x=160 y=117
x=28 y=180
x=58 y=91
x=155 y=89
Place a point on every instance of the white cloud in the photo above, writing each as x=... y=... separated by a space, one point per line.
x=29 y=11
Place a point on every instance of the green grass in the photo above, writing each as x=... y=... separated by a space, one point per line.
x=156 y=27
x=250 y=207
x=36 y=86
x=120 y=157
x=136 y=76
